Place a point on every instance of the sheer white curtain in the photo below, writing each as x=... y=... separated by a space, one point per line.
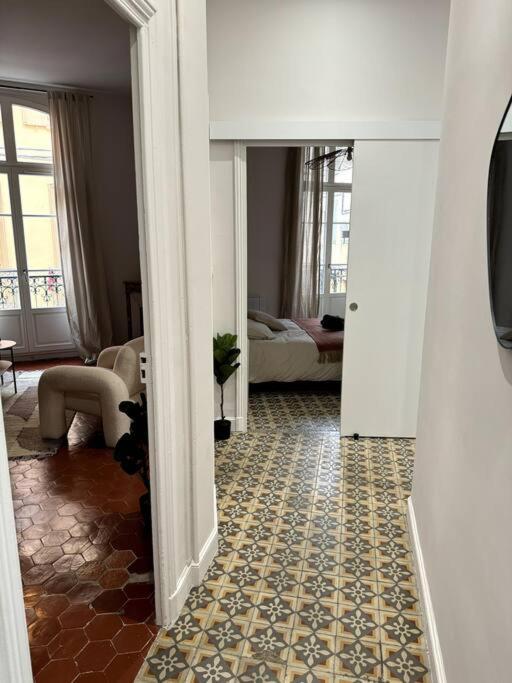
x=82 y=263
x=300 y=294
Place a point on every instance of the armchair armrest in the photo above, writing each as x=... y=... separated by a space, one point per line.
x=109 y=388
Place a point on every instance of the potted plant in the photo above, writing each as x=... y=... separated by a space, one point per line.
x=131 y=451
x=225 y=354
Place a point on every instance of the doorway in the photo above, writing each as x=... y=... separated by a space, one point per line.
x=32 y=293
x=386 y=293
x=84 y=539
x=83 y=522
x=177 y=328
x=297 y=270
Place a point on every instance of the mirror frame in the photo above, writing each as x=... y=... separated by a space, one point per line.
x=502 y=342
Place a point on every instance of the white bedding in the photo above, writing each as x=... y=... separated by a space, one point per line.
x=291 y=357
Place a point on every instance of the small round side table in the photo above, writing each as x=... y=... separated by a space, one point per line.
x=5 y=345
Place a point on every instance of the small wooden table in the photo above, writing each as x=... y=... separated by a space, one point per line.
x=5 y=345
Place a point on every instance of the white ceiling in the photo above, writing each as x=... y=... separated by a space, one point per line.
x=80 y=43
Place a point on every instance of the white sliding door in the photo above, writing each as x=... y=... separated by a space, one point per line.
x=390 y=237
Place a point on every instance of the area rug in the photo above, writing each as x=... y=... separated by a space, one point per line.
x=21 y=419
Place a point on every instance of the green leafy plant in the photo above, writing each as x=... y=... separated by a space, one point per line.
x=225 y=354
x=131 y=451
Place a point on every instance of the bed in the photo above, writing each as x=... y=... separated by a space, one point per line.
x=292 y=356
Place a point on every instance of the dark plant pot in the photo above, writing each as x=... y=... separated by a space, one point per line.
x=222 y=430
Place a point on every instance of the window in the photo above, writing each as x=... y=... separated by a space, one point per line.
x=336 y=225
x=30 y=266
x=2 y=143
x=32 y=134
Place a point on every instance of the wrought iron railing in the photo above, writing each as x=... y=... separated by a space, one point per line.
x=9 y=289
x=337 y=278
x=46 y=289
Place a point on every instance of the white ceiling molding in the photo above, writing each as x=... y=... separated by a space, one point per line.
x=325 y=130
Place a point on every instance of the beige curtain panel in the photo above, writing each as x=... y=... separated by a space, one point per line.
x=82 y=263
x=300 y=291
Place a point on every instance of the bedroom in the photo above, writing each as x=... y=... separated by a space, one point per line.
x=298 y=222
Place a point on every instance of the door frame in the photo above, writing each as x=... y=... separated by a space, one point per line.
x=240 y=238
x=245 y=134
x=170 y=103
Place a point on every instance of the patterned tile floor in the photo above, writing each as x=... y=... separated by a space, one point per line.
x=86 y=562
x=313 y=581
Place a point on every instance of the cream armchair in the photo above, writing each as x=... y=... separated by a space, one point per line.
x=94 y=390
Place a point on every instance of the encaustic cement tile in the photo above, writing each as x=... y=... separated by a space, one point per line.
x=313 y=582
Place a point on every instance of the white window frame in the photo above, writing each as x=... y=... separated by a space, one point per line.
x=330 y=187
x=14 y=169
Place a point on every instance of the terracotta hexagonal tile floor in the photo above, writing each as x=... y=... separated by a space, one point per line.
x=86 y=562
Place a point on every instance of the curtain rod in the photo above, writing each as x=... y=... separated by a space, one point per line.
x=40 y=89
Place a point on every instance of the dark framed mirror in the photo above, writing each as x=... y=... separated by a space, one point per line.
x=499 y=231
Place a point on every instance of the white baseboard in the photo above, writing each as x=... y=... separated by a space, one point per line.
x=436 y=658
x=206 y=555
x=238 y=424
x=192 y=576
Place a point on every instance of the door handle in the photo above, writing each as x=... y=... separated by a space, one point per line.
x=353 y=306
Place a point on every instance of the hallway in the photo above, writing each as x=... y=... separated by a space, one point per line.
x=314 y=578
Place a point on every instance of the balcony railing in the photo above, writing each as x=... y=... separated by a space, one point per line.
x=46 y=289
x=337 y=278
x=9 y=290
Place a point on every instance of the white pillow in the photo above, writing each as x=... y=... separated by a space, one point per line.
x=267 y=319
x=256 y=330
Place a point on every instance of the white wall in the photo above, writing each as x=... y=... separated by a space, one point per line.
x=266 y=187
x=297 y=60
x=114 y=201
x=223 y=253
x=326 y=60
x=463 y=477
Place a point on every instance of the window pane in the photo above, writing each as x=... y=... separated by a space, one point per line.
x=7 y=250
x=43 y=262
x=339 y=258
x=2 y=143
x=343 y=172
x=37 y=195
x=9 y=286
x=339 y=242
x=5 y=199
x=41 y=241
x=32 y=134
x=341 y=209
